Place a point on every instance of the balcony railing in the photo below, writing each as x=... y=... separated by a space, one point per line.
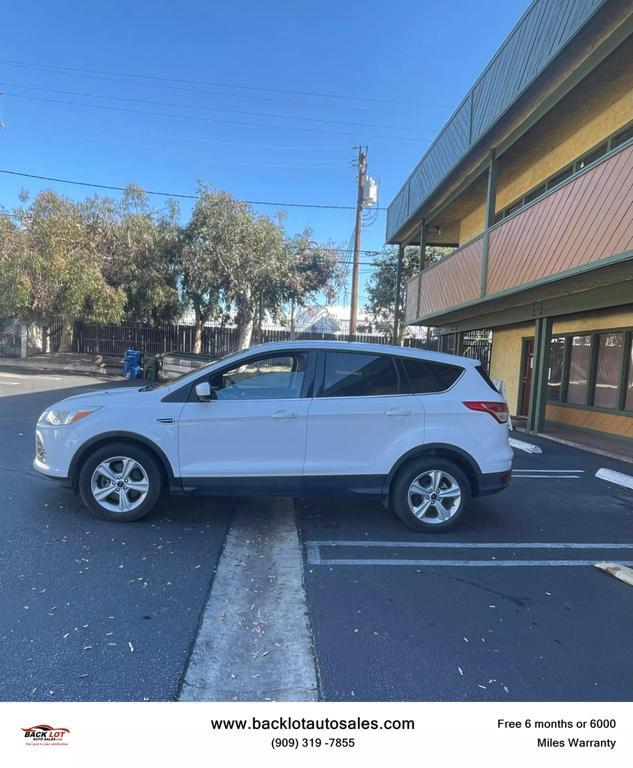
x=584 y=221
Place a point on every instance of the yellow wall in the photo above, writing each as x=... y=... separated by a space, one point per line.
x=505 y=361
x=595 y=321
x=505 y=364
x=581 y=418
x=546 y=161
x=472 y=224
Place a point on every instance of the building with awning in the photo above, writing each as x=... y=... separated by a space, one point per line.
x=531 y=182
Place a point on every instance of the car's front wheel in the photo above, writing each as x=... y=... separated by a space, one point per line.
x=430 y=494
x=120 y=482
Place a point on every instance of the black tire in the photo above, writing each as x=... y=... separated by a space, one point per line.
x=452 y=506
x=147 y=469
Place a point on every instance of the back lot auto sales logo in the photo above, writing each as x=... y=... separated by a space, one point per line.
x=45 y=735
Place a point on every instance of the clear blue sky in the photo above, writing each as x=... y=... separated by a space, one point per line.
x=423 y=54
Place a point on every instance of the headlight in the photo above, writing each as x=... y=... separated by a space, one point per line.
x=60 y=416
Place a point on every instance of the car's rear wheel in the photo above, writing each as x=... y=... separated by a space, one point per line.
x=430 y=494
x=120 y=482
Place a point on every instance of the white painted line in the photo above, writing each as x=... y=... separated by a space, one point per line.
x=549 y=477
x=254 y=642
x=468 y=563
x=315 y=557
x=546 y=471
x=310 y=545
x=523 y=446
x=619 y=478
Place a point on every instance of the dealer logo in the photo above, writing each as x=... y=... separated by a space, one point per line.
x=43 y=734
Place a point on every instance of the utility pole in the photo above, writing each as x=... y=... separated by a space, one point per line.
x=362 y=175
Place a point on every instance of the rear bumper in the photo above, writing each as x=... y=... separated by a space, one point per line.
x=493 y=482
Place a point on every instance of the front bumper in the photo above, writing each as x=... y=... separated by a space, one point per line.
x=54 y=449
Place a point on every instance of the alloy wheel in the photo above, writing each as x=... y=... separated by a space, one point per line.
x=434 y=496
x=119 y=484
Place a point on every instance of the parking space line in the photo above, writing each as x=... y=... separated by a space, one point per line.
x=619 y=478
x=549 y=474
x=471 y=544
x=466 y=563
x=315 y=557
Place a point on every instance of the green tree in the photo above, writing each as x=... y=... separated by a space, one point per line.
x=238 y=263
x=56 y=271
x=381 y=287
x=137 y=245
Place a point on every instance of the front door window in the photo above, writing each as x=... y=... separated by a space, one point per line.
x=268 y=378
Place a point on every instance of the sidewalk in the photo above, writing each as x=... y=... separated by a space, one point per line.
x=64 y=362
x=603 y=444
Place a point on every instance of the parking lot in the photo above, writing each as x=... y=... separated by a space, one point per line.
x=99 y=611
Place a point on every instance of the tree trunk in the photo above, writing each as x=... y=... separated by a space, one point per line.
x=66 y=337
x=245 y=319
x=246 y=331
x=198 y=327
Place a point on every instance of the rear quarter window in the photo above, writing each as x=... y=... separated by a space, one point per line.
x=486 y=378
x=427 y=376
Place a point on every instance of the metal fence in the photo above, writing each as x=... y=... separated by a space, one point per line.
x=113 y=340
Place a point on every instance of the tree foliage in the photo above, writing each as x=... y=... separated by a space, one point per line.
x=381 y=288
x=105 y=260
x=235 y=262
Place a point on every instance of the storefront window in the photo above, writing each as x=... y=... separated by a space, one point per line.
x=608 y=370
x=579 y=362
x=554 y=380
x=628 y=403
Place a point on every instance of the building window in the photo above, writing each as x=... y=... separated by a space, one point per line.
x=579 y=365
x=560 y=176
x=621 y=137
x=592 y=370
x=590 y=157
x=628 y=400
x=555 y=378
x=608 y=370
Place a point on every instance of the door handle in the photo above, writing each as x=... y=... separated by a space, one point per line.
x=397 y=412
x=283 y=415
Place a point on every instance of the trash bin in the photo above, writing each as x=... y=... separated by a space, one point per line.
x=133 y=364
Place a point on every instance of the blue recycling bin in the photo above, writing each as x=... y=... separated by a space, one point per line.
x=133 y=364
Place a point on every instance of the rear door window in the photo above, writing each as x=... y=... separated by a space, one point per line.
x=354 y=374
x=428 y=376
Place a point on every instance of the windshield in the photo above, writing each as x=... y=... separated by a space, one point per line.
x=176 y=379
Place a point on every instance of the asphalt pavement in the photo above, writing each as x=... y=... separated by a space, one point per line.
x=92 y=611
x=506 y=607
x=399 y=616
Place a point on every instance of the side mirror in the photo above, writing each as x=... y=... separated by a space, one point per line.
x=204 y=392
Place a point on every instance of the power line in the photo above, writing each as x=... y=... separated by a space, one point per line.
x=329 y=206
x=217 y=84
x=209 y=119
x=207 y=109
x=102 y=78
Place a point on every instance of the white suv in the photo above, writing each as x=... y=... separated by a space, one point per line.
x=425 y=431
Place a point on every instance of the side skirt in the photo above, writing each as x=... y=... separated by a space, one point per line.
x=314 y=485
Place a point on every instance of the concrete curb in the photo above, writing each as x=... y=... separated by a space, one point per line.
x=254 y=642
x=522 y=446
x=619 y=478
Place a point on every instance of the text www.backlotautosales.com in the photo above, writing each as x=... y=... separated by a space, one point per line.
x=311 y=733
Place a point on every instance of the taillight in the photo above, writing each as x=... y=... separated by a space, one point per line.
x=498 y=411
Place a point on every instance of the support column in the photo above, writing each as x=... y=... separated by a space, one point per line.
x=540 y=371
x=489 y=220
x=423 y=234
x=397 y=302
